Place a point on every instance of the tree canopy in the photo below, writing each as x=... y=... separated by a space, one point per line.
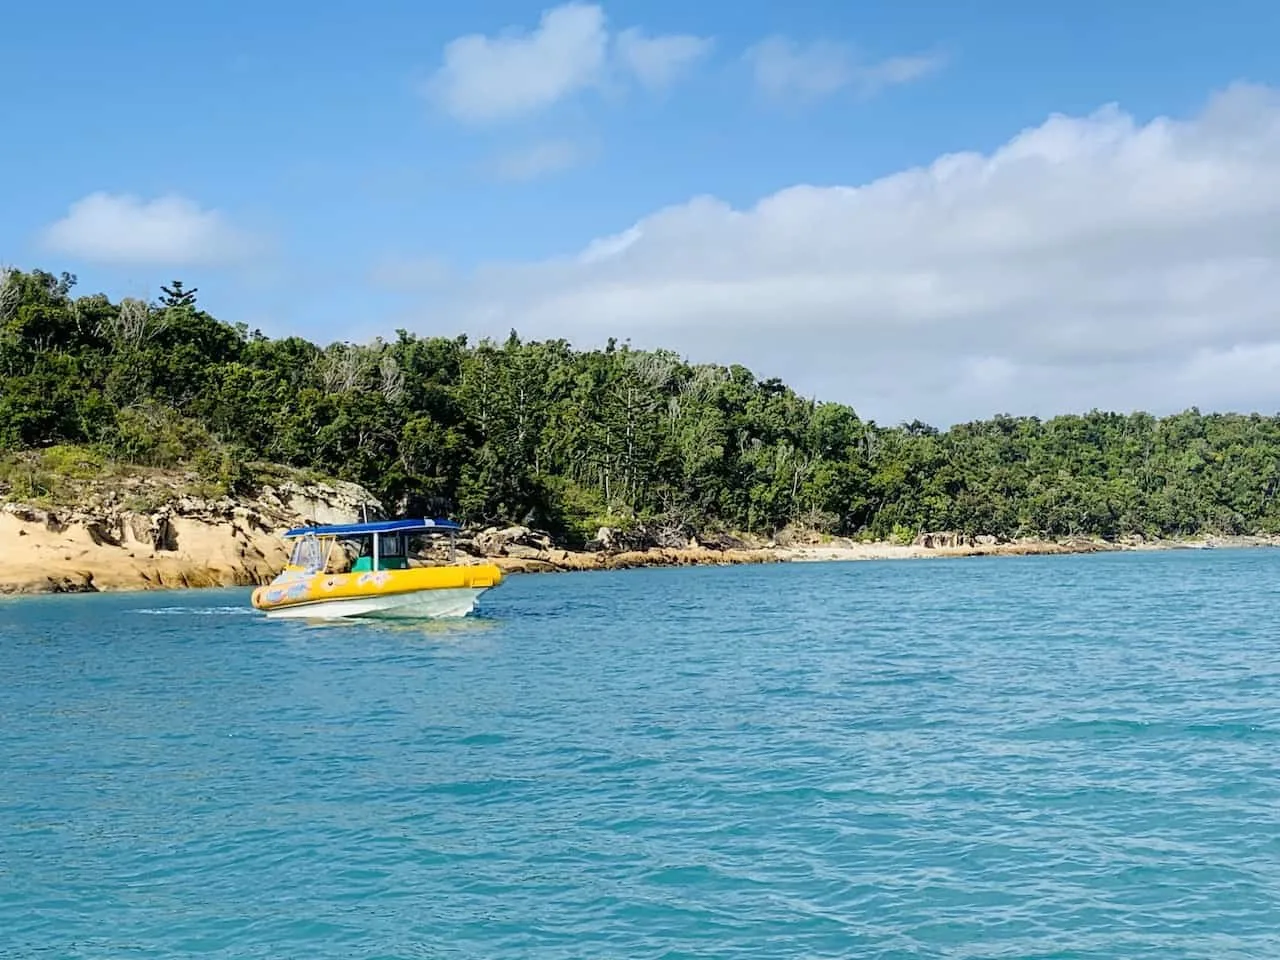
x=569 y=439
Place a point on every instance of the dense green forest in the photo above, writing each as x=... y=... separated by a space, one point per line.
x=567 y=439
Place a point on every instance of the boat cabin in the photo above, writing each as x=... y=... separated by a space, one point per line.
x=366 y=547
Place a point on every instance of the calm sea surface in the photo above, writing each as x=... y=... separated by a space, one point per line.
x=1020 y=758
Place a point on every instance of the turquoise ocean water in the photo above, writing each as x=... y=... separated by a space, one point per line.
x=1061 y=757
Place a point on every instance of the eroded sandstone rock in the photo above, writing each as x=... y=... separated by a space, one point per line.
x=140 y=534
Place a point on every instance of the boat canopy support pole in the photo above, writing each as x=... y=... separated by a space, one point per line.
x=376 y=538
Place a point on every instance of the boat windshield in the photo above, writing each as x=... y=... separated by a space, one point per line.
x=308 y=554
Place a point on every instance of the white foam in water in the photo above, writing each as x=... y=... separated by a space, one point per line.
x=196 y=611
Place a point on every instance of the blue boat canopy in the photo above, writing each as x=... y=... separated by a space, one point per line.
x=377 y=526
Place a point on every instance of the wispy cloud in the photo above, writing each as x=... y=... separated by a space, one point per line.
x=897 y=70
x=538 y=160
x=659 y=61
x=786 y=68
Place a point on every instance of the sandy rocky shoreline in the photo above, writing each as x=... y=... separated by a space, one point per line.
x=113 y=543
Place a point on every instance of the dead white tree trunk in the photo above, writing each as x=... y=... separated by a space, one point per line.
x=133 y=324
x=392 y=378
x=9 y=293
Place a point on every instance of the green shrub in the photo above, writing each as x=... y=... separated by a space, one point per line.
x=157 y=436
x=225 y=468
x=72 y=462
x=902 y=535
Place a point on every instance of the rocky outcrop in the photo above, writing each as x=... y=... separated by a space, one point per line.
x=663 y=537
x=952 y=539
x=518 y=542
x=569 y=560
x=149 y=532
x=519 y=549
x=334 y=501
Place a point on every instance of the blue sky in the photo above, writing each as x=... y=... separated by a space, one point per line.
x=312 y=133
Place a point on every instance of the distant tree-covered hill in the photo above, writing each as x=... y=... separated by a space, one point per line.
x=570 y=439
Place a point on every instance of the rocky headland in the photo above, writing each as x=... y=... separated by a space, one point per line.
x=151 y=532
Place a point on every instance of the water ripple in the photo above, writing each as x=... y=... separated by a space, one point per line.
x=1067 y=757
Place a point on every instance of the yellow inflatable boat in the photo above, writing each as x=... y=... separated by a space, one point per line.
x=385 y=569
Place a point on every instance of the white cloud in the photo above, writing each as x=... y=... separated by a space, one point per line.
x=1088 y=261
x=897 y=70
x=495 y=78
x=658 y=61
x=169 y=230
x=539 y=160
x=518 y=72
x=785 y=68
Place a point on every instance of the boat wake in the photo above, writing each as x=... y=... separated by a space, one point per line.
x=194 y=612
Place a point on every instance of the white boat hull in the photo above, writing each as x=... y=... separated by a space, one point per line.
x=446 y=603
